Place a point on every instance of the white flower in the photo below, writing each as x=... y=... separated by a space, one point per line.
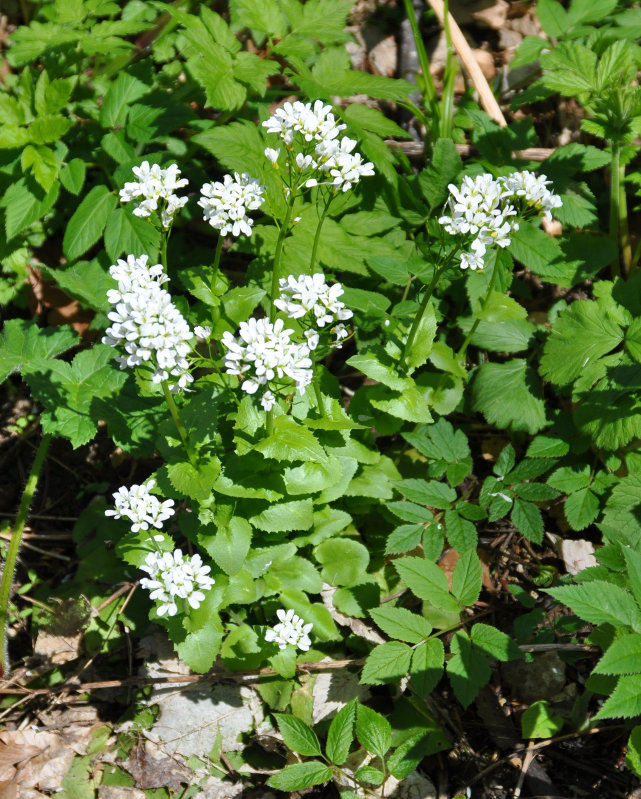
x=472 y=260
x=341 y=332
x=264 y=353
x=147 y=324
x=345 y=167
x=291 y=629
x=141 y=507
x=172 y=575
x=313 y=338
x=272 y=155
x=314 y=123
x=202 y=332
x=268 y=400
x=155 y=185
x=533 y=189
x=311 y=294
x=225 y=205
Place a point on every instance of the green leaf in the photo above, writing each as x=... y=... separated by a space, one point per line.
x=373 y=731
x=341 y=734
x=373 y=121
x=200 y=648
x=547 y=447
x=194 y=482
x=568 y=479
x=406 y=757
x=625 y=701
x=69 y=391
x=49 y=129
x=494 y=643
x=528 y=520
x=633 y=757
x=553 y=17
x=582 y=333
x=122 y=93
x=581 y=508
x=401 y=624
x=427 y=666
x=369 y=774
x=25 y=205
x=509 y=395
x=403 y=538
x=23 y=343
x=536 y=492
x=86 y=225
x=427 y=581
x=344 y=560
x=460 y=532
x=371 y=366
x=468 y=670
x=432 y=493
x=623 y=656
x=600 y=602
x=43 y=163
x=418 y=353
x=633 y=563
x=466 y=578
x=300 y=775
x=410 y=512
x=213 y=70
x=285 y=516
x=298 y=736
x=539 y=721
x=385 y=662
x=72 y=175
x=126 y=234
x=230 y=545
x=291 y=441
x=443 y=169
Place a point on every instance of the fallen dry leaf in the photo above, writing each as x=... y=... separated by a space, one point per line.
x=152 y=769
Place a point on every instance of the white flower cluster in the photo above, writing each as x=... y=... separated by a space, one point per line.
x=147 y=323
x=291 y=629
x=173 y=575
x=265 y=353
x=312 y=294
x=155 y=185
x=534 y=191
x=483 y=208
x=332 y=161
x=225 y=205
x=141 y=507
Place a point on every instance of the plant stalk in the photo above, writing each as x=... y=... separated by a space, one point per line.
x=163 y=250
x=419 y=316
x=277 y=254
x=173 y=410
x=319 y=227
x=429 y=90
x=14 y=547
x=624 y=230
x=217 y=254
x=615 y=192
x=477 y=321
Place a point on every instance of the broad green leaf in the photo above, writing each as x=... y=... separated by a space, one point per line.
x=466 y=578
x=291 y=441
x=43 y=163
x=72 y=175
x=371 y=366
x=369 y=774
x=200 y=648
x=633 y=563
x=298 y=736
x=126 y=234
x=406 y=757
x=25 y=204
x=553 y=17
x=402 y=624
x=568 y=479
x=23 y=343
x=373 y=731
x=374 y=121
x=194 y=482
x=600 y=602
x=494 y=643
x=536 y=492
x=431 y=493
x=539 y=721
x=468 y=670
x=543 y=446
x=427 y=666
x=633 y=757
x=316 y=613
x=528 y=520
x=230 y=545
x=625 y=701
x=341 y=734
x=460 y=532
x=344 y=560
x=623 y=656
x=386 y=662
x=88 y=222
x=410 y=512
x=581 y=508
x=418 y=353
x=358 y=600
x=403 y=538
x=427 y=581
x=285 y=516
x=122 y=93
x=49 y=129
x=300 y=775
x=443 y=169
x=509 y=395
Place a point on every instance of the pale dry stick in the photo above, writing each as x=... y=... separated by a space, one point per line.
x=40 y=551
x=525 y=765
x=470 y=64
x=415 y=150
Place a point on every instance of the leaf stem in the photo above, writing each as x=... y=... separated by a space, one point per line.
x=319 y=227
x=429 y=90
x=217 y=254
x=163 y=250
x=277 y=254
x=173 y=410
x=615 y=175
x=624 y=230
x=477 y=321
x=421 y=312
x=14 y=547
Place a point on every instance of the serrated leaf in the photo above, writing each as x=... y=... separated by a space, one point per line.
x=494 y=643
x=402 y=624
x=25 y=204
x=406 y=757
x=298 y=736
x=509 y=395
x=536 y=492
x=467 y=670
x=581 y=508
x=344 y=560
x=72 y=175
x=623 y=656
x=23 y=343
x=410 y=512
x=291 y=441
x=427 y=666
x=200 y=648
x=385 y=662
x=121 y=94
x=88 y=222
x=431 y=493
x=600 y=602
x=467 y=577
x=341 y=734
x=372 y=367
x=373 y=731
x=285 y=516
x=427 y=581
x=126 y=234
x=553 y=17
x=528 y=520
x=538 y=721
x=460 y=532
x=300 y=775
x=194 y=482
x=633 y=563
x=421 y=347
x=443 y=169
x=625 y=701
x=403 y=538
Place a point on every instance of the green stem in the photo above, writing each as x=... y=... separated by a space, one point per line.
x=173 y=410
x=163 y=250
x=277 y=254
x=319 y=227
x=624 y=230
x=429 y=90
x=477 y=321
x=419 y=316
x=14 y=547
x=449 y=80
x=317 y=392
x=217 y=254
x=270 y=422
x=615 y=175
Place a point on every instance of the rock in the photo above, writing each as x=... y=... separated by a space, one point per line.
x=543 y=678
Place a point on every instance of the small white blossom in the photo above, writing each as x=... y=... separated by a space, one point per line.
x=313 y=338
x=202 y=332
x=345 y=167
x=147 y=324
x=141 y=507
x=155 y=185
x=312 y=294
x=291 y=629
x=472 y=260
x=272 y=155
x=314 y=123
x=533 y=189
x=225 y=205
x=341 y=332
x=173 y=575
x=268 y=400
